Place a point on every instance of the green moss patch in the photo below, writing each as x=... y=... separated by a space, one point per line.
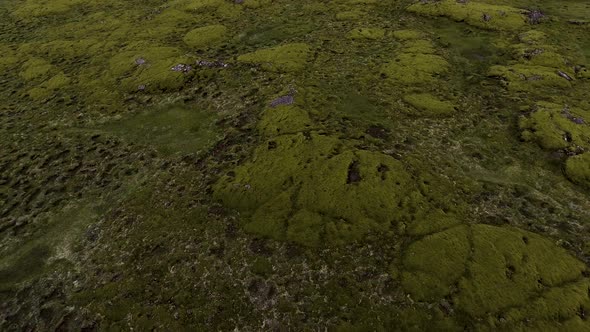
x=153 y=74
x=555 y=126
x=31 y=8
x=491 y=271
x=308 y=188
x=478 y=14
x=429 y=104
x=429 y=277
x=283 y=120
x=407 y=34
x=205 y=36
x=366 y=33
x=532 y=37
x=199 y=5
x=419 y=46
x=416 y=68
x=577 y=169
x=523 y=77
x=35 y=69
x=284 y=58
x=350 y=15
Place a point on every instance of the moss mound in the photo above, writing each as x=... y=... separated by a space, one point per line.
x=526 y=78
x=577 y=169
x=492 y=272
x=283 y=120
x=149 y=68
x=416 y=68
x=205 y=36
x=36 y=69
x=478 y=14
x=555 y=126
x=429 y=104
x=366 y=33
x=407 y=34
x=199 y=5
x=31 y=9
x=309 y=187
x=284 y=58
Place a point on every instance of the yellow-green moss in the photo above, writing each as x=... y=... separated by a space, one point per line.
x=471 y=12
x=540 y=55
x=407 y=34
x=56 y=82
x=284 y=58
x=522 y=77
x=32 y=8
x=300 y=187
x=256 y=3
x=434 y=221
x=199 y=5
x=491 y=272
x=532 y=37
x=155 y=74
x=283 y=120
x=9 y=58
x=415 y=68
x=366 y=33
x=419 y=46
x=47 y=88
x=509 y=267
x=349 y=15
x=205 y=36
x=583 y=73
x=35 y=68
x=430 y=276
x=577 y=169
x=429 y=104
x=228 y=11
x=553 y=126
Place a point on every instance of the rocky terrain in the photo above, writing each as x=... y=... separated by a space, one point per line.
x=276 y=165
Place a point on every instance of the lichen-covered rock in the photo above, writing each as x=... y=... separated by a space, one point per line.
x=491 y=272
x=205 y=36
x=284 y=58
x=483 y=15
x=577 y=169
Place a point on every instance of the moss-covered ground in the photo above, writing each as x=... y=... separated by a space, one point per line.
x=275 y=165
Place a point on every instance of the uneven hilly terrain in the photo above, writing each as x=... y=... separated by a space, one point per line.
x=276 y=165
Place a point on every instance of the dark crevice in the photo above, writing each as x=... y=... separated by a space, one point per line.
x=354 y=174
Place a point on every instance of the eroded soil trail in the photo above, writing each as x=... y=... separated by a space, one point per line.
x=294 y=165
